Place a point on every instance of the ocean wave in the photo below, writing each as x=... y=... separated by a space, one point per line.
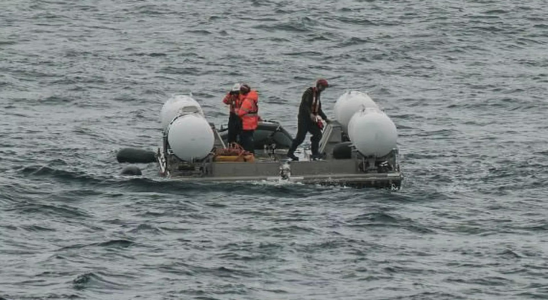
x=463 y=82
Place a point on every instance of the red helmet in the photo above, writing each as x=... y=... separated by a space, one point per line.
x=244 y=89
x=322 y=82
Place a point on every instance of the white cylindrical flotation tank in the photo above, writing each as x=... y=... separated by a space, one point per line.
x=177 y=105
x=372 y=132
x=190 y=137
x=348 y=104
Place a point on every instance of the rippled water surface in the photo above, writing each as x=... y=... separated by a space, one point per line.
x=466 y=83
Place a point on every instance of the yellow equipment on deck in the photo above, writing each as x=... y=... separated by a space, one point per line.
x=234 y=153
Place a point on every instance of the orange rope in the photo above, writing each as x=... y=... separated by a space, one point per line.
x=234 y=149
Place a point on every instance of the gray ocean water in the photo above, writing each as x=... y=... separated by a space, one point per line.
x=466 y=83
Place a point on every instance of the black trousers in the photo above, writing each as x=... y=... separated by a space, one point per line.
x=306 y=125
x=247 y=141
x=234 y=127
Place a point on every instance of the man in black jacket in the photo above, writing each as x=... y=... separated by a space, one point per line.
x=310 y=112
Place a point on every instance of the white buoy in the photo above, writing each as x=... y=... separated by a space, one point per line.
x=177 y=105
x=348 y=104
x=190 y=137
x=372 y=132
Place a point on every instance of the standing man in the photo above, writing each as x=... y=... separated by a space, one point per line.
x=249 y=113
x=310 y=112
x=234 y=100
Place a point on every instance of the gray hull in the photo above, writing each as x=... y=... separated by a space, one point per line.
x=271 y=165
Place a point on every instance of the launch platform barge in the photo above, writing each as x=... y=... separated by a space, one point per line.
x=341 y=164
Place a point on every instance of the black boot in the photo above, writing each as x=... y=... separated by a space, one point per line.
x=316 y=157
x=292 y=156
x=291 y=151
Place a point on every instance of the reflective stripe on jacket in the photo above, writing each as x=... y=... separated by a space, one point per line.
x=249 y=111
x=311 y=104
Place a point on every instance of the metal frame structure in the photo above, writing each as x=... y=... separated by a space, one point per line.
x=271 y=164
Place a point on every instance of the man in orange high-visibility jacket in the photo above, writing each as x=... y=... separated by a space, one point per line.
x=249 y=113
x=234 y=100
